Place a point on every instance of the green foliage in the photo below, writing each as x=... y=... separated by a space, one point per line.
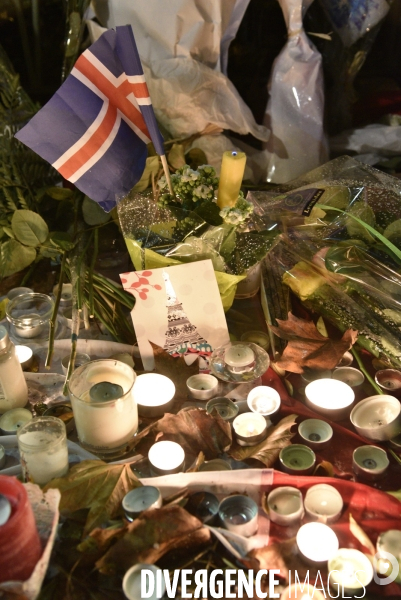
x=93 y=213
x=29 y=228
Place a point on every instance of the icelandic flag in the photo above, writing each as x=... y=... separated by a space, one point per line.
x=95 y=128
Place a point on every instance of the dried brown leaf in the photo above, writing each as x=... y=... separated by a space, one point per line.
x=195 y=430
x=95 y=485
x=151 y=536
x=267 y=451
x=307 y=348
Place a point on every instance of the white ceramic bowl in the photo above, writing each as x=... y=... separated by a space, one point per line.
x=377 y=417
x=315 y=433
x=323 y=503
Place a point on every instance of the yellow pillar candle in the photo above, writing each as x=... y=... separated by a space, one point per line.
x=232 y=172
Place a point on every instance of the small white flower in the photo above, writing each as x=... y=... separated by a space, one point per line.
x=189 y=175
x=202 y=191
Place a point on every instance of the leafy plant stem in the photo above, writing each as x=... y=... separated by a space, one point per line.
x=28 y=274
x=395 y=456
x=371 y=229
x=91 y=269
x=53 y=319
x=364 y=371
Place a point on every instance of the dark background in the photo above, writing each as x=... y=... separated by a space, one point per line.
x=32 y=32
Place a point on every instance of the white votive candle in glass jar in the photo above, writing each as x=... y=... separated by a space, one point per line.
x=105 y=411
x=166 y=457
x=42 y=445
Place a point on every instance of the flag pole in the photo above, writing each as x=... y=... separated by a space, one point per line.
x=167 y=173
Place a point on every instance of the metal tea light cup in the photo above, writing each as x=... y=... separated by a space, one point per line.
x=297 y=459
x=370 y=462
x=323 y=503
x=239 y=514
x=204 y=506
x=285 y=505
x=139 y=499
x=315 y=433
x=389 y=380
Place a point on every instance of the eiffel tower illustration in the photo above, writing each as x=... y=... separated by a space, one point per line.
x=181 y=335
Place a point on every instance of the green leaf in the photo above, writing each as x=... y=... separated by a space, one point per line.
x=93 y=213
x=195 y=158
x=152 y=167
x=95 y=485
x=8 y=231
x=59 y=193
x=29 y=227
x=370 y=229
x=15 y=257
x=61 y=240
x=176 y=156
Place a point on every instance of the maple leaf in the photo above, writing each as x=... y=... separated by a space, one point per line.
x=153 y=534
x=194 y=429
x=267 y=451
x=175 y=368
x=309 y=349
x=95 y=485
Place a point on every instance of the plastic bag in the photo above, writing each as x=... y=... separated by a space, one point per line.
x=353 y=18
x=183 y=47
x=294 y=113
x=347 y=287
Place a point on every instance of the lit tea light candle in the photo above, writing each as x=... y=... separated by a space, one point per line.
x=330 y=397
x=231 y=175
x=303 y=591
x=140 y=499
x=25 y=355
x=239 y=358
x=166 y=457
x=105 y=411
x=42 y=444
x=153 y=394
x=250 y=428
x=264 y=400
x=316 y=542
x=239 y=514
x=349 y=569
x=202 y=386
x=12 y=420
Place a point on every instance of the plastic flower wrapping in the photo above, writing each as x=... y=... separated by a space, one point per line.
x=339 y=251
x=161 y=229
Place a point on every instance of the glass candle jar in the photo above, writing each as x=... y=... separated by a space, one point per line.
x=42 y=444
x=20 y=547
x=105 y=411
x=29 y=316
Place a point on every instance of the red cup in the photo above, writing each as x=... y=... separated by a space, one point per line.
x=20 y=547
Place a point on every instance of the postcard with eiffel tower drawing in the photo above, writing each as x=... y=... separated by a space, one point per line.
x=179 y=309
